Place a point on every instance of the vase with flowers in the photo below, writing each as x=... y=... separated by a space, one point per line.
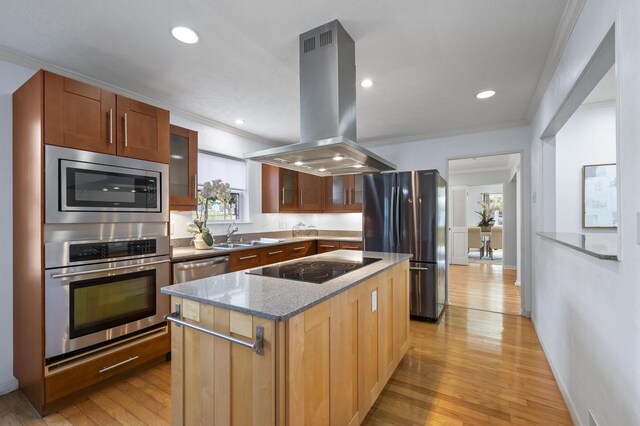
x=486 y=218
x=211 y=192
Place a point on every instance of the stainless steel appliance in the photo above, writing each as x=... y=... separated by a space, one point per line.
x=327 y=110
x=99 y=290
x=406 y=213
x=88 y=187
x=316 y=271
x=202 y=268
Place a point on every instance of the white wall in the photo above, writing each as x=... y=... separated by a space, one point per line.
x=475 y=197
x=479 y=178
x=586 y=310
x=11 y=77
x=589 y=137
x=436 y=153
x=510 y=230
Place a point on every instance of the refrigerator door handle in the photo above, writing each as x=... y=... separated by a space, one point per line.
x=397 y=221
x=413 y=268
x=393 y=238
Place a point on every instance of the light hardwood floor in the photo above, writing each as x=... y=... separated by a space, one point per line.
x=484 y=287
x=471 y=368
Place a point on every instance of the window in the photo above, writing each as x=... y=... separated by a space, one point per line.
x=230 y=170
x=495 y=201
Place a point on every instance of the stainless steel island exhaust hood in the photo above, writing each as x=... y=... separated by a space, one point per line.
x=327 y=111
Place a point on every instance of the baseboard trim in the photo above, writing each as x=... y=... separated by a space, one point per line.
x=8 y=386
x=509 y=267
x=563 y=388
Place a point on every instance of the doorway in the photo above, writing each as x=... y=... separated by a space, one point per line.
x=485 y=217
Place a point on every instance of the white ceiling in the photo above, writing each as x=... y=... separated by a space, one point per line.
x=484 y=164
x=427 y=58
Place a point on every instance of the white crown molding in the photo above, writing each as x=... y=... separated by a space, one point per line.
x=565 y=27
x=478 y=170
x=442 y=134
x=32 y=62
x=598 y=104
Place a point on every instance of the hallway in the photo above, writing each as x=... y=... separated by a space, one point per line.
x=484 y=287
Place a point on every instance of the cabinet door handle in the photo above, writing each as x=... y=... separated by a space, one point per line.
x=249 y=257
x=195 y=186
x=298 y=248
x=300 y=200
x=283 y=195
x=353 y=196
x=275 y=252
x=111 y=367
x=325 y=246
x=126 y=131
x=111 y=126
x=344 y=200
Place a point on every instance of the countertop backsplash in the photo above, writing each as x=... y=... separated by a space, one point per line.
x=186 y=242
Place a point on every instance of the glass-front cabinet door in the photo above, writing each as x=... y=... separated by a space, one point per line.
x=183 y=168
x=288 y=190
x=343 y=193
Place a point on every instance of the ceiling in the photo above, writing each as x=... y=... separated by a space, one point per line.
x=427 y=58
x=484 y=164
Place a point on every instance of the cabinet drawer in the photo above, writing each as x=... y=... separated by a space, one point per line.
x=273 y=254
x=325 y=246
x=70 y=377
x=347 y=245
x=297 y=250
x=245 y=259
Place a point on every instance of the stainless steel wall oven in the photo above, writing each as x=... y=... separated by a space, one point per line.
x=98 y=291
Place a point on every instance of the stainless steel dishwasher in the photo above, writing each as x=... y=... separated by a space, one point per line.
x=201 y=268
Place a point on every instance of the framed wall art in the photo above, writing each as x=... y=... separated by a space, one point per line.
x=599 y=196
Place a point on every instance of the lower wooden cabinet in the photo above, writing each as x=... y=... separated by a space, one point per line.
x=329 y=245
x=245 y=259
x=324 y=366
x=67 y=378
x=298 y=250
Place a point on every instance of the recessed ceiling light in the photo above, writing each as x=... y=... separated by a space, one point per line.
x=338 y=158
x=239 y=121
x=185 y=35
x=358 y=166
x=298 y=163
x=367 y=82
x=322 y=170
x=486 y=94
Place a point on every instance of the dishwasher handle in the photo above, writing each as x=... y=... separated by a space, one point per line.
x=205 y=264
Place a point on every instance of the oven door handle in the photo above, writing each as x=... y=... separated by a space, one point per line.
x=115 y=268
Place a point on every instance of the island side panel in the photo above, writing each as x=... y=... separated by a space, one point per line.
x=217 y=382
x=399 y=277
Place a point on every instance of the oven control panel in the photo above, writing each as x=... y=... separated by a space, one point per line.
x=108 y=250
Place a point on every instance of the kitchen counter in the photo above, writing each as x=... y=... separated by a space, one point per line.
x=180 y=254
x=279 y=299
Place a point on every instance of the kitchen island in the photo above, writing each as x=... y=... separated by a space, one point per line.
x=303 y=353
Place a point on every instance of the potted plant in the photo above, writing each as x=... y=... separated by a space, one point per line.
x=216 y=190
x=486 y=220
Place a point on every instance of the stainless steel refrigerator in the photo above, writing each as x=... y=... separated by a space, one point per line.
x=405 y=212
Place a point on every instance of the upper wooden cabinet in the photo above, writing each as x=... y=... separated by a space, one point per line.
x=288 y=191
x=143 y=131
x=343 y=193
x=78 y=115
x=183 y=169
x=81 y=116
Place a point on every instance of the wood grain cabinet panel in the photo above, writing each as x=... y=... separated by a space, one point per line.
x=245 y=259
x=143 y=131
x=78 y=115
x=351 y=245
x=311 y=193
x=328 y=245
x=297 y=250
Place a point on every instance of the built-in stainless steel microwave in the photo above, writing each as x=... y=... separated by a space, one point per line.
x=88 y=187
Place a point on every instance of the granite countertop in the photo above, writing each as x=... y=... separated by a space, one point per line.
x=279 y=299
x=179 y=254
x=601 y=246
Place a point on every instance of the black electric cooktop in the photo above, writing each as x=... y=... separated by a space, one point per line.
x=316 y=271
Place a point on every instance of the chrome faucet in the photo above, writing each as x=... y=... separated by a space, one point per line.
x=231 y=231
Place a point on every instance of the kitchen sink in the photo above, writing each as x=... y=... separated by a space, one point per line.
x=230 y=245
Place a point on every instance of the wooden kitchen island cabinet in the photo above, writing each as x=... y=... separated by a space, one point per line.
x=323 y=366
